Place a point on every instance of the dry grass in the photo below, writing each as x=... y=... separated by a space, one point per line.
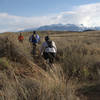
x=22 y=76
x=22 y=79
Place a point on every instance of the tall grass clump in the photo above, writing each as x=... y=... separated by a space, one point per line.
x=54 y=86
x=21 y=78
x=78 y=61
x=50 y=87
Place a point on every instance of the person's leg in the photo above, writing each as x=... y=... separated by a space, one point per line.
x=52 y=57
x=34 y=49
x=45 y=55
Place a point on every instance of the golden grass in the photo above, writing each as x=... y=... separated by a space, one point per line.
x=22 y=76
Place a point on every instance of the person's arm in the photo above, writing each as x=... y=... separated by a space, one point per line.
x=42 y=48
x=54 y=45
x=23 y=37
x=30 y=39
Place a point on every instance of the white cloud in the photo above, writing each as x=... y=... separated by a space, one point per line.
x=88 y=15
x=15 y=23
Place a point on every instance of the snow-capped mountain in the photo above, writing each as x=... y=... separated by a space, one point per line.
x=66 y=27
x=61 y=27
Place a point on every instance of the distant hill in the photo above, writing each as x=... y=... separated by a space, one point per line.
x=61 y=27
x=67 y=27
x=89 y=30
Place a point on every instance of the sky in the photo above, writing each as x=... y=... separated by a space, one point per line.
x=16 y=15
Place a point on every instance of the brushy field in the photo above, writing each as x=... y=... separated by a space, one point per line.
x=23 y=75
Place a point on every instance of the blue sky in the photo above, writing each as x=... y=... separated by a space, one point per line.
x=39 y=7
x=20 y=14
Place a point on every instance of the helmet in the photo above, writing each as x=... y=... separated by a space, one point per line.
x=47 y=38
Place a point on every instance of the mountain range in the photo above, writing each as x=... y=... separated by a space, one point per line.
x=61 y=27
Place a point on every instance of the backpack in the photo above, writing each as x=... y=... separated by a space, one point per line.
x=50 y=45
x=34 y=39
x=37 y=38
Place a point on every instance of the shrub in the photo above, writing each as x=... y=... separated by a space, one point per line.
x=77 y=62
